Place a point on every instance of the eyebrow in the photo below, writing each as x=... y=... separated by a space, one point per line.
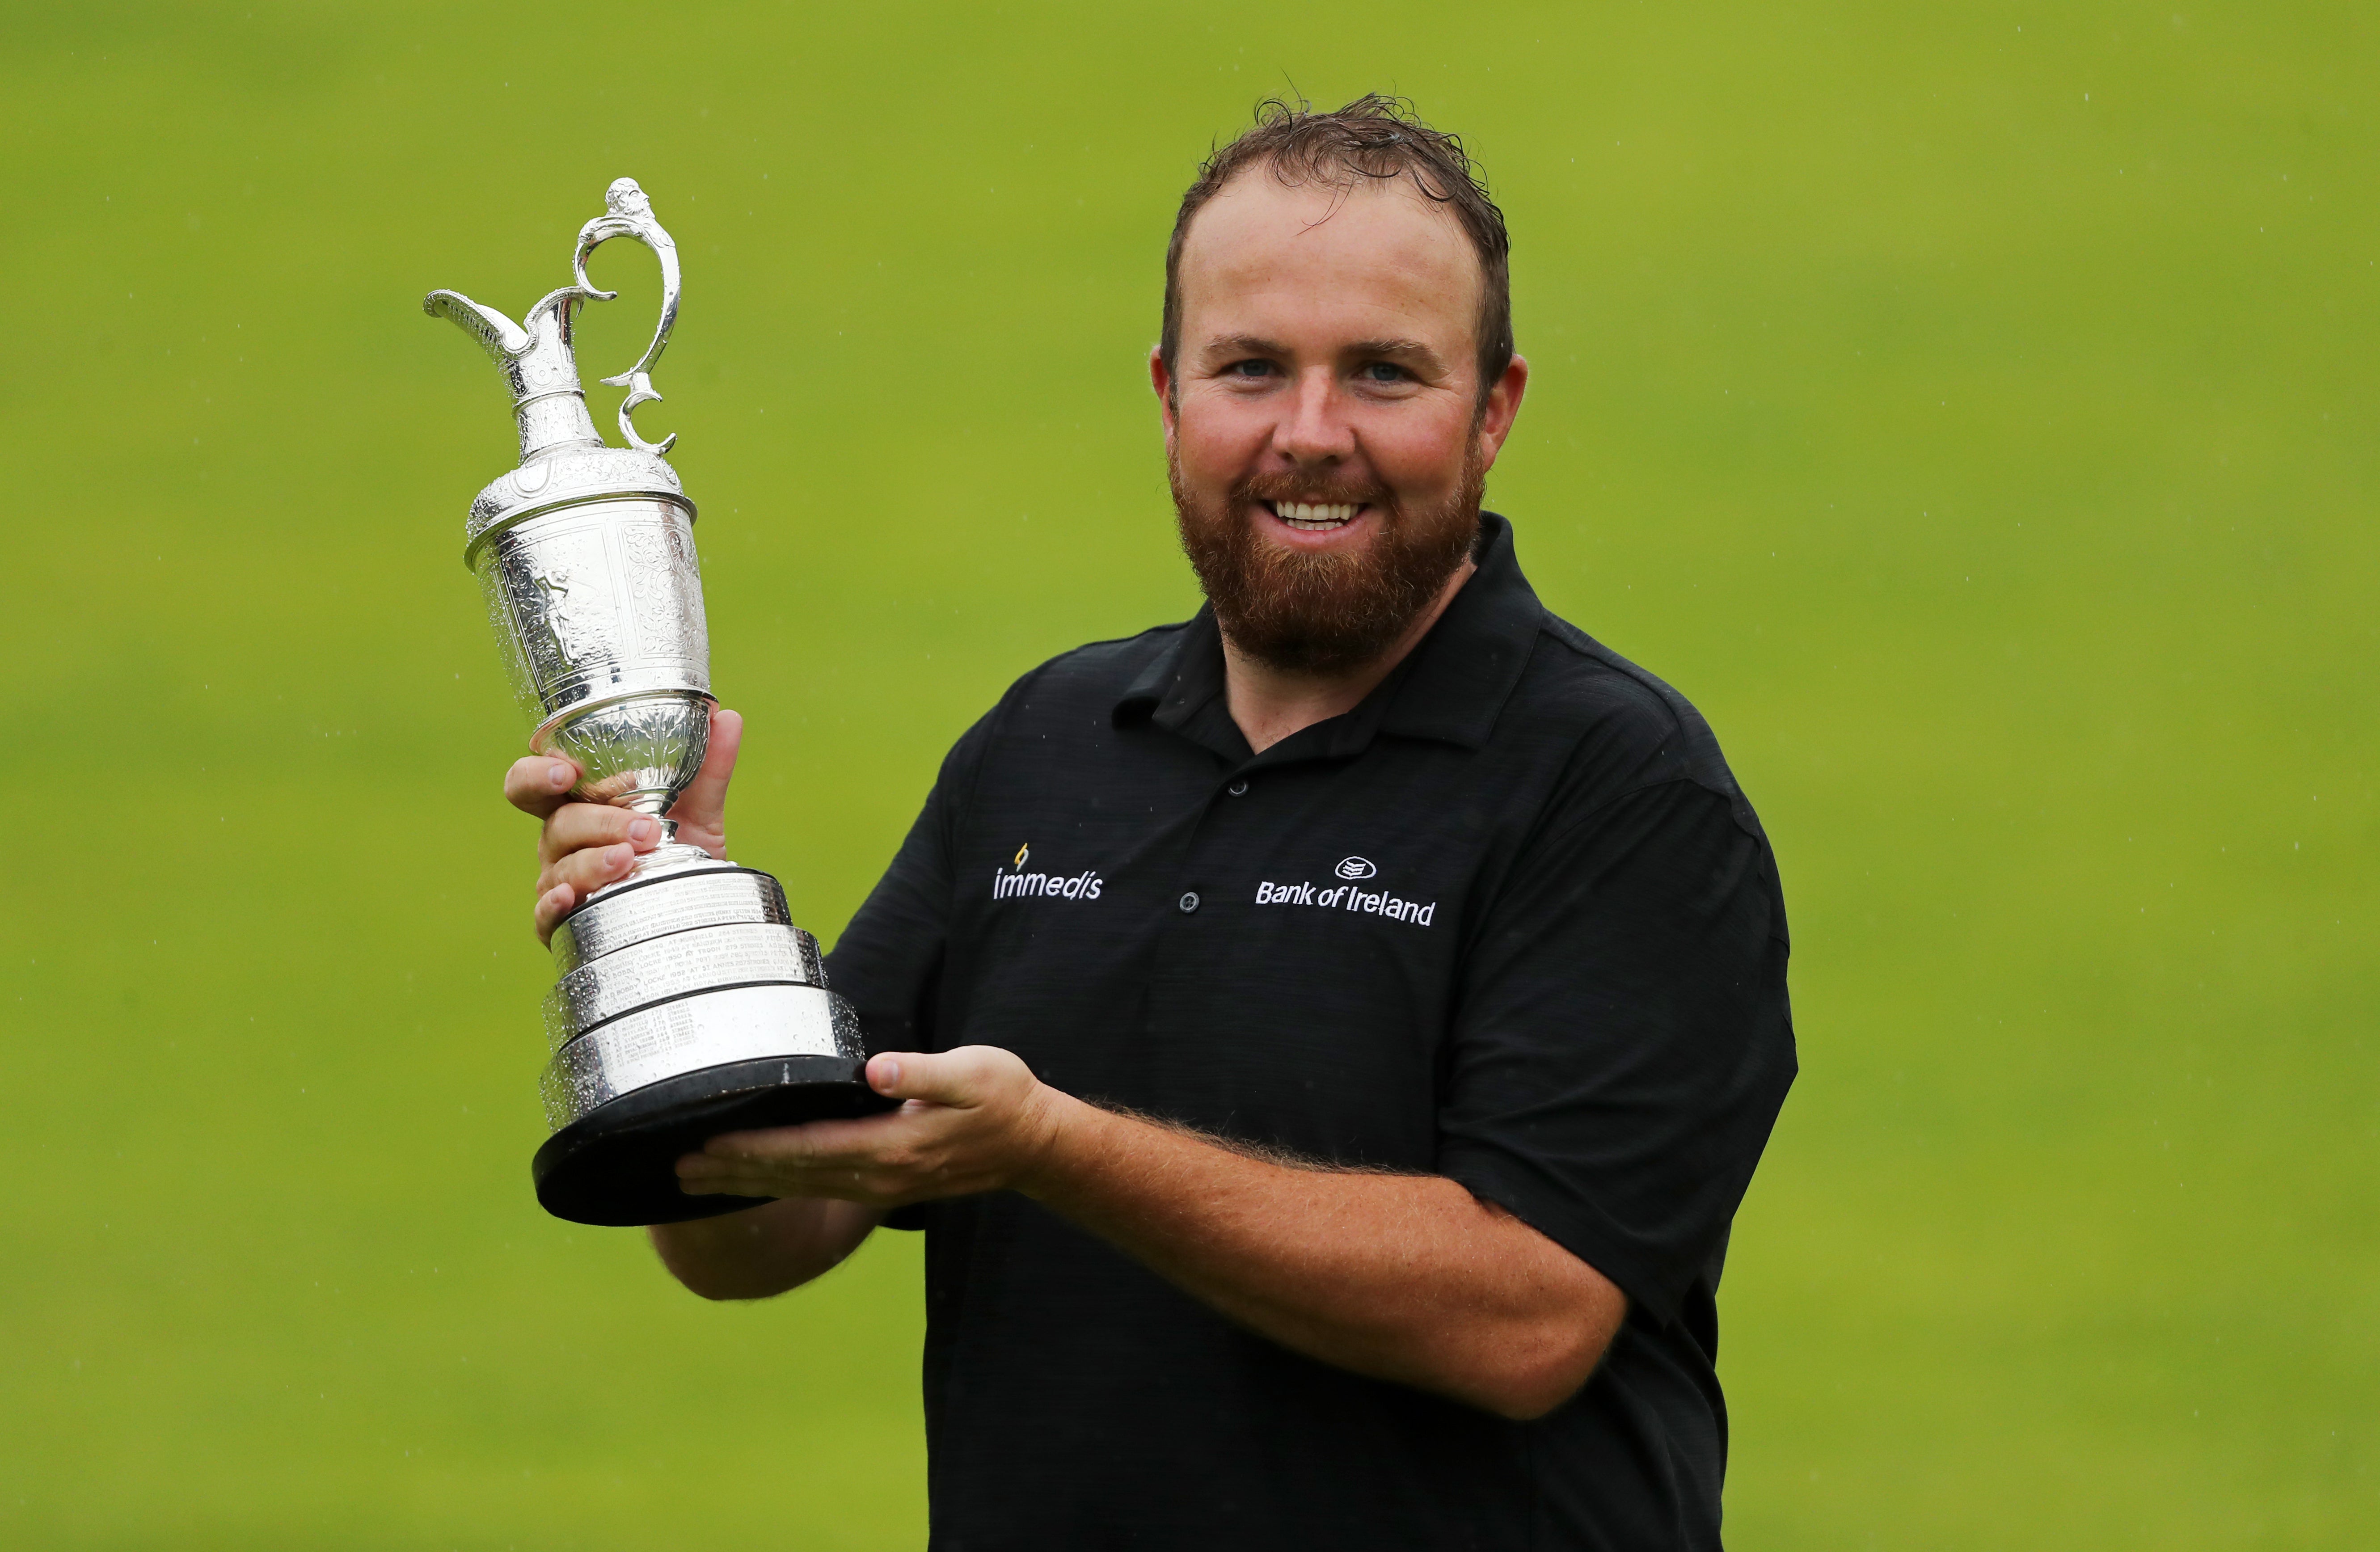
x=1242 y=344
x=1399 y=349
x=1394 y=349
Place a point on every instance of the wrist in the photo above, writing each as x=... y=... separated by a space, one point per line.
x=1048 y=1123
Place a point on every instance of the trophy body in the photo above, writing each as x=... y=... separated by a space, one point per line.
x=689 y=1004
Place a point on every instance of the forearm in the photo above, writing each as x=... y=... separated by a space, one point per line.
x=762 y=1251
x=1408 y=1277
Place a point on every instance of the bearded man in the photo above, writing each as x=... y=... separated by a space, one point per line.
x=1333 y=1034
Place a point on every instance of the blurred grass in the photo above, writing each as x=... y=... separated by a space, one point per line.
x=1971 y=408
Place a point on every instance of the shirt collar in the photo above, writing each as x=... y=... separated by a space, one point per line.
x=1450 y=687
x=1455 y=683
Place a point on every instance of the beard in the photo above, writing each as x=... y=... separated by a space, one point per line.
x=1299 y=611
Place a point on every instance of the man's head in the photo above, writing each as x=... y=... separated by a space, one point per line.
x=1337 y=376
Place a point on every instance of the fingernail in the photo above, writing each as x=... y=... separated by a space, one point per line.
x=619 y=856
x=558 y=774
x=644 y=831
x=887 y=1075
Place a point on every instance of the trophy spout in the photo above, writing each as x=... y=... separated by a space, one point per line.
x=539 y=365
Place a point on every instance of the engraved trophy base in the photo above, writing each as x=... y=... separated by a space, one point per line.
x=688 y=1006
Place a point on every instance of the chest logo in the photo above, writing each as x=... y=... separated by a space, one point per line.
x=1012 y=882
x=1347 y=897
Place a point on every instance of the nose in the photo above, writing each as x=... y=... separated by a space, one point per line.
x=1313 y=432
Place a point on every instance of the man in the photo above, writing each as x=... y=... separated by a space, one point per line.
x=1334 y=1033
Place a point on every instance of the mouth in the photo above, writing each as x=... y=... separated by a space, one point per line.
x=1314 y=516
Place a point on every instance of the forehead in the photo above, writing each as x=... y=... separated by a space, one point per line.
x=1378 y=259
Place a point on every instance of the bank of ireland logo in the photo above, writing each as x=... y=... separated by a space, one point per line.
x=1350 y=896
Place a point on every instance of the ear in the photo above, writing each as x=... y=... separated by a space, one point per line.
x=1163 y=381
x=1503 y=405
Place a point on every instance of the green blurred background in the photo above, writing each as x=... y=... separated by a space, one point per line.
x=1970 y=407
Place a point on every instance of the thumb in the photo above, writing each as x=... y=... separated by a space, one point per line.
x=957 y=1077
x=703 y=804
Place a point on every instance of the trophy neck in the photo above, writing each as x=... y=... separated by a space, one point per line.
x=547 y=404
x=549 y=422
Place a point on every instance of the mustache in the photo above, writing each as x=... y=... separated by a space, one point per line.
x=1296 y=488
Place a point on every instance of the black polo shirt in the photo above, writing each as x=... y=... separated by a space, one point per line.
x=1510 y=921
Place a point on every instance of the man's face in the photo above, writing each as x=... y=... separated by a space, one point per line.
x=1323 y=425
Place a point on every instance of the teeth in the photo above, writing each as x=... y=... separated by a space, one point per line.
x=1314 y=515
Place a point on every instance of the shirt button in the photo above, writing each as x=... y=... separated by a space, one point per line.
x=1189 y=903
x=1238 y=788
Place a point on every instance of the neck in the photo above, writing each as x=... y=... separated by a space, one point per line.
x=1268 y=704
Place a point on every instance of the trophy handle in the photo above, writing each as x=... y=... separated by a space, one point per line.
x=628 y=214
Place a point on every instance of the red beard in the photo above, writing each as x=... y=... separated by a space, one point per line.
x=1299 y=611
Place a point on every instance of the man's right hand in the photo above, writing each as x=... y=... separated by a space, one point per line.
x=587 y=845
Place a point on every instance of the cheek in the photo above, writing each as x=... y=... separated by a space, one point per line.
x=1418 y=455
x=1218 y=440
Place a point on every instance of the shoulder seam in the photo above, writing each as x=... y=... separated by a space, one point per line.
x=1110 y=641
x=1655 y=784
x=1556 y=628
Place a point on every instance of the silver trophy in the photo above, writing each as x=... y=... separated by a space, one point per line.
x=689 y=1004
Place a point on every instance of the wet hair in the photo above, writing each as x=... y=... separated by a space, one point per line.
x=1378 y=138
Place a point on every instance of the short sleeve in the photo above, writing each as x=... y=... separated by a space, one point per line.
x=888 y=962
x=1623 y=1042
x=890 y=954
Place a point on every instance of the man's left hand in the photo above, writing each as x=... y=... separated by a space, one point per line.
x=971 y=1119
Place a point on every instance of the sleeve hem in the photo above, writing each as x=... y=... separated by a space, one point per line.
x=1585 y=1236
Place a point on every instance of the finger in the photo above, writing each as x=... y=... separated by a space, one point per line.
x=849 y=1189
x=703 y=804
x=829 y=1149
x=575 y=827
x=587 y=871
x=703 y=1169
x=539 y=783
x=855 y=1183
x=780 y=1177
x=777 y=1189
x=552 y=906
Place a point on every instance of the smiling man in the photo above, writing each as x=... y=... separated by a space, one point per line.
x=1334 y=1033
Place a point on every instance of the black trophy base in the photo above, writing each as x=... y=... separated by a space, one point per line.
x=614 y=1166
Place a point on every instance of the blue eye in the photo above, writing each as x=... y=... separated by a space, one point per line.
x=1385 y=372
x=1250 y=368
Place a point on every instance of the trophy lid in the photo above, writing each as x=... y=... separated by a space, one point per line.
x=563 y=462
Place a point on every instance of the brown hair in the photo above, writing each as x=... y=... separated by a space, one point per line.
x=1373 y=137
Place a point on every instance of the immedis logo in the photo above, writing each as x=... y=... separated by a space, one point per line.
x=1008 y=884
